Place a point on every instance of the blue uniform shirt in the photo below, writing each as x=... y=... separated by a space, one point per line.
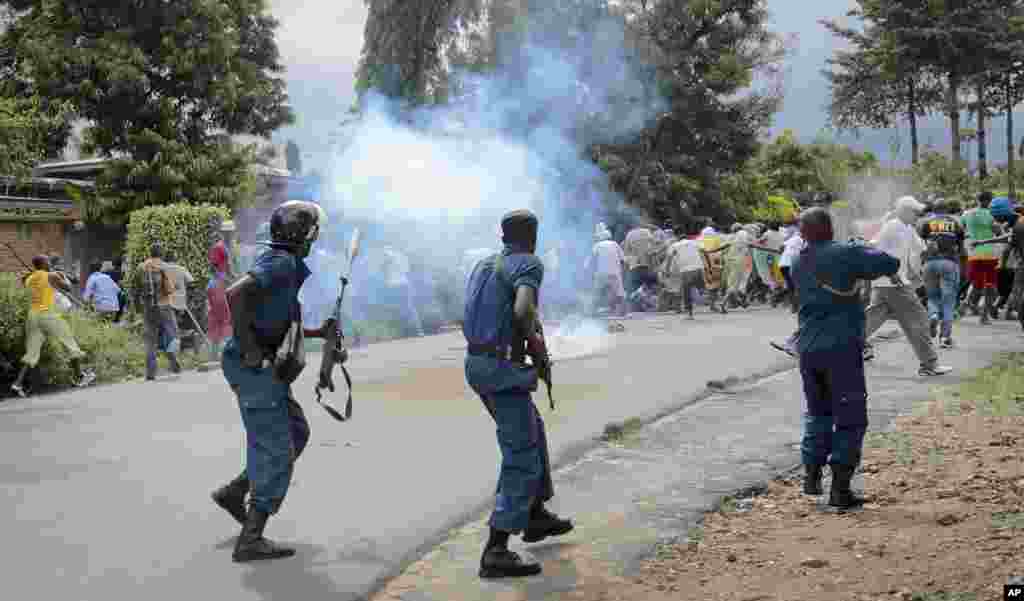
x=489 y=301
x=279 y=276
x=829 y=320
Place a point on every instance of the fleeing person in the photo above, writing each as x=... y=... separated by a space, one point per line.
x=154 y=289
x=501 y=327
x=218 y=313
x=830 y=345
x=182 y=278
x=44 y=322
x=102 y=292
x=982 y=262
x=685 y=270
x=606 y=261
x=944 y=237
x=896 y=298
x=1005 y=212
x=638 y=247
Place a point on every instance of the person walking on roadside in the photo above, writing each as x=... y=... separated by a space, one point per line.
x=638 y=247
x=945 y=239
x=1005 y=212
x=102 y=292
x=895 y=298
x=44 y=322
x=182 y=278
x=264 y=307
x=501 y=327
x=982 y=262
x=154 y=291
x=607 y=261
x=218 y=314
x=685 y=270
x=830 y=345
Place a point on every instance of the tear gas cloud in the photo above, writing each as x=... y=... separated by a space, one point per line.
x=869 y=199
x=432 y=183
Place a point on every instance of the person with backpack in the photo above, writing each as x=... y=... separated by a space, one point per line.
x=155 y=290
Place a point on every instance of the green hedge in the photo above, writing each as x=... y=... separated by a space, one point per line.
x=185 y=230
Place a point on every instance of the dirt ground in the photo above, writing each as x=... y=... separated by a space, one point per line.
x=944 y=519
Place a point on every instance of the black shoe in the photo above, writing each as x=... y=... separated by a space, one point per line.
x=842 y=496
x=946 y=343
x=251 y=545
x=869 y=353
x=934 y=370
x=812 y=480
x=499 y=562
x=231 y=498
x=543 y=524
x=933 y=328
x=784 y=347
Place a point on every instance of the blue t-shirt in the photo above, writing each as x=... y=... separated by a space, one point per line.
x=829 y=320
x=279 y=275
x=489 y=300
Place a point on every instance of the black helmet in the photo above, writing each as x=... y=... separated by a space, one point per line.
x=297 y=224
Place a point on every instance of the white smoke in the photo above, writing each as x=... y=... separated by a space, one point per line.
x=434 y=182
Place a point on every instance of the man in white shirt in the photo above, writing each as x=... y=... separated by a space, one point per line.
x=684 y=268
x=898 y=299
x=607 y=259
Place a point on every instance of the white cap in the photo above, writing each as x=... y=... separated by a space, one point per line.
x=227 y=226
x=909 y=203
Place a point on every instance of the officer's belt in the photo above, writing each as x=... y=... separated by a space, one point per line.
x=489 y=350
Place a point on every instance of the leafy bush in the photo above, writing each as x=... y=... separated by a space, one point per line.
x=185 y=230
x=114 y=352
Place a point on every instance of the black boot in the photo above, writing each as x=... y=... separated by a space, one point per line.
x=251 y=545
x=812 y=480
x=543 y=524
x=841 y=495
x=231 y=497
x=498 y=562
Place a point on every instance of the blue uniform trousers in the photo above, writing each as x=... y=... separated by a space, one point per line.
x=837 y=415
x=276 y=431
x=525 y=477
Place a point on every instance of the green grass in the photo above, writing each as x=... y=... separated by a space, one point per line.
x=997 y=390
x=1008 y=520
x=899 y=441
x=619 y=432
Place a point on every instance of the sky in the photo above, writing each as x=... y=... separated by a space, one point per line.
x=320 y=41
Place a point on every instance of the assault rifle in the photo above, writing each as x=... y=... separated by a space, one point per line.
x=334 y=353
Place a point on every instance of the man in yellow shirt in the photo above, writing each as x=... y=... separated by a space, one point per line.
x=43 y=322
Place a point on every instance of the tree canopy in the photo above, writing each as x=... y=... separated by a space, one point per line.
x=160 y=85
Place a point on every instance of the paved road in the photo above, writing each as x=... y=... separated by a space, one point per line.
x=105 y=491
x=627 y=498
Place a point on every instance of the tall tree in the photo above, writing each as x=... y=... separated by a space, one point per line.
x=161 y=84
x=954 y=38
x=27 y=126
x=872 y=86
x=293 y=157
x=404 y=46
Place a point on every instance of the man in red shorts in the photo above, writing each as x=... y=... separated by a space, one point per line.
x=982 y=261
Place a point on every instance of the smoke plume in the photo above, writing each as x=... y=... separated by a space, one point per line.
x=432 y=183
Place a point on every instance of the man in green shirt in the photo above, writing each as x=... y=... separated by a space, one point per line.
x=982 y=262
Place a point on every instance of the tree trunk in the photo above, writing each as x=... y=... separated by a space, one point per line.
x=1009 y=141
x=912 y=116
x=982 y=123
x=953 y=107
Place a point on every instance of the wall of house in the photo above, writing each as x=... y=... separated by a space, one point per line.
x=28 y=239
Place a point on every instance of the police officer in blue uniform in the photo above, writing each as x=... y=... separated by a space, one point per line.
x=501 y=328
x=831 y=344
x=264 y=305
